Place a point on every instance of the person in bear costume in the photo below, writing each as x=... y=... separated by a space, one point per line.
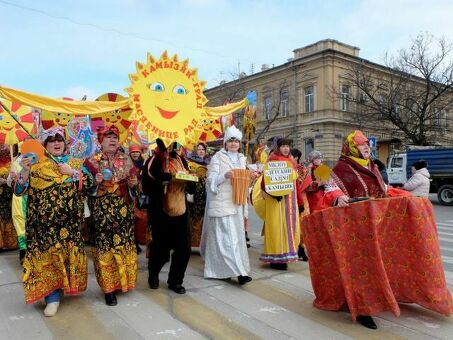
x=167 y=214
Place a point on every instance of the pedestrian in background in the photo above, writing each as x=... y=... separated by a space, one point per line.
x=419 y=183
x=383 y=170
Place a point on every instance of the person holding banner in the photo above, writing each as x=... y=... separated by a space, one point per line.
x=281 y=223
x=223 y=244
x=198 y=163
x=302 y=183
x=141 y=219
x=8 y=236
x=55 y=259
x=18 y=208
x=112 y=209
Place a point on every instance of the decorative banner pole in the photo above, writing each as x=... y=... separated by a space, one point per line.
x=7 y=110
x=249 y=120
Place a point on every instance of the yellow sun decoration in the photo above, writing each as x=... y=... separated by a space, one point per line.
x=167 y=98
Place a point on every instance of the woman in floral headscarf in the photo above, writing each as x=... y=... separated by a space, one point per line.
x=55 y=259
x=112 y=208
x=355 y=172
x=357 y=176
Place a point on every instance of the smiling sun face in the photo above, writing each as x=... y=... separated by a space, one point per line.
x=167 y=98
x=10 y=131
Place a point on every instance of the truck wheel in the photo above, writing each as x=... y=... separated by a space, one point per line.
x=445 y=194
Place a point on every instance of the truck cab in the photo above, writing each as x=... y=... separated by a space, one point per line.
x=440 y=167
x=396 y=169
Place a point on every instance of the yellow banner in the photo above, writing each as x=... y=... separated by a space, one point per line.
x=60 y=105
x=226 y=109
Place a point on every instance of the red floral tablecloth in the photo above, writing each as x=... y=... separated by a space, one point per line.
x=374 y=254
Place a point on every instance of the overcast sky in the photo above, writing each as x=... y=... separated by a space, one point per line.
x=71 y=48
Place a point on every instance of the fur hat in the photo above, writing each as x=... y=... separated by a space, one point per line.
x=232 y=132
x=315 y=154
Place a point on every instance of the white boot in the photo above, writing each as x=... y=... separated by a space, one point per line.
x=51 y=308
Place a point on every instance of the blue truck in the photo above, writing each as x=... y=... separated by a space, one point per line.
x=440 y=167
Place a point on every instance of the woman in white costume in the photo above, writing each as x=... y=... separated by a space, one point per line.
x=223 y=245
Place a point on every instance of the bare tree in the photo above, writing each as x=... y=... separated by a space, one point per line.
x=410 y=97
x=274 y=110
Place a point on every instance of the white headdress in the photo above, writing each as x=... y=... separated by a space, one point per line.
x=232 y=132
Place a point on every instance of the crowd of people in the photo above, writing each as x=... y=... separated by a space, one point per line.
x=44 y=204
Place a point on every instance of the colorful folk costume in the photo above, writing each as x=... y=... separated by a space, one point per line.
x=8 y=236
x=18 y=209
x=281 y=223
x=168 y=217
x=112 y=209
x=373 y=254
x=55 y=258
x=141 y=218
x=199 y=167
x=223 y=244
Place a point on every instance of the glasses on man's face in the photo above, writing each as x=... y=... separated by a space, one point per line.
x=233 y=141
x=54 y=139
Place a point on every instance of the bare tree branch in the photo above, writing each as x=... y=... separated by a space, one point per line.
x=411 y=97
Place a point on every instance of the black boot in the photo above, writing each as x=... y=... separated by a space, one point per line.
x=366 y=321
x=301 y=254
x=137 y=248
x=153 y=282
x=244 y=279
x=178 y=289
x=247 y=240
x=110 y=299
x=279 y=266
x=21 y=255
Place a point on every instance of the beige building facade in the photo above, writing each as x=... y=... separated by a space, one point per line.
x=303 y=100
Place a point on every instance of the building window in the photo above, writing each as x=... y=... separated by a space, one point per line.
x=397 y=162
x=440 y=119
x=345 y=95
x=268 y=107
x=364 y=99
x=309 y=146
x=309 y=98
x=284 y=108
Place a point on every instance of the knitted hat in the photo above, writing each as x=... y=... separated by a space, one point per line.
x=315 y=154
